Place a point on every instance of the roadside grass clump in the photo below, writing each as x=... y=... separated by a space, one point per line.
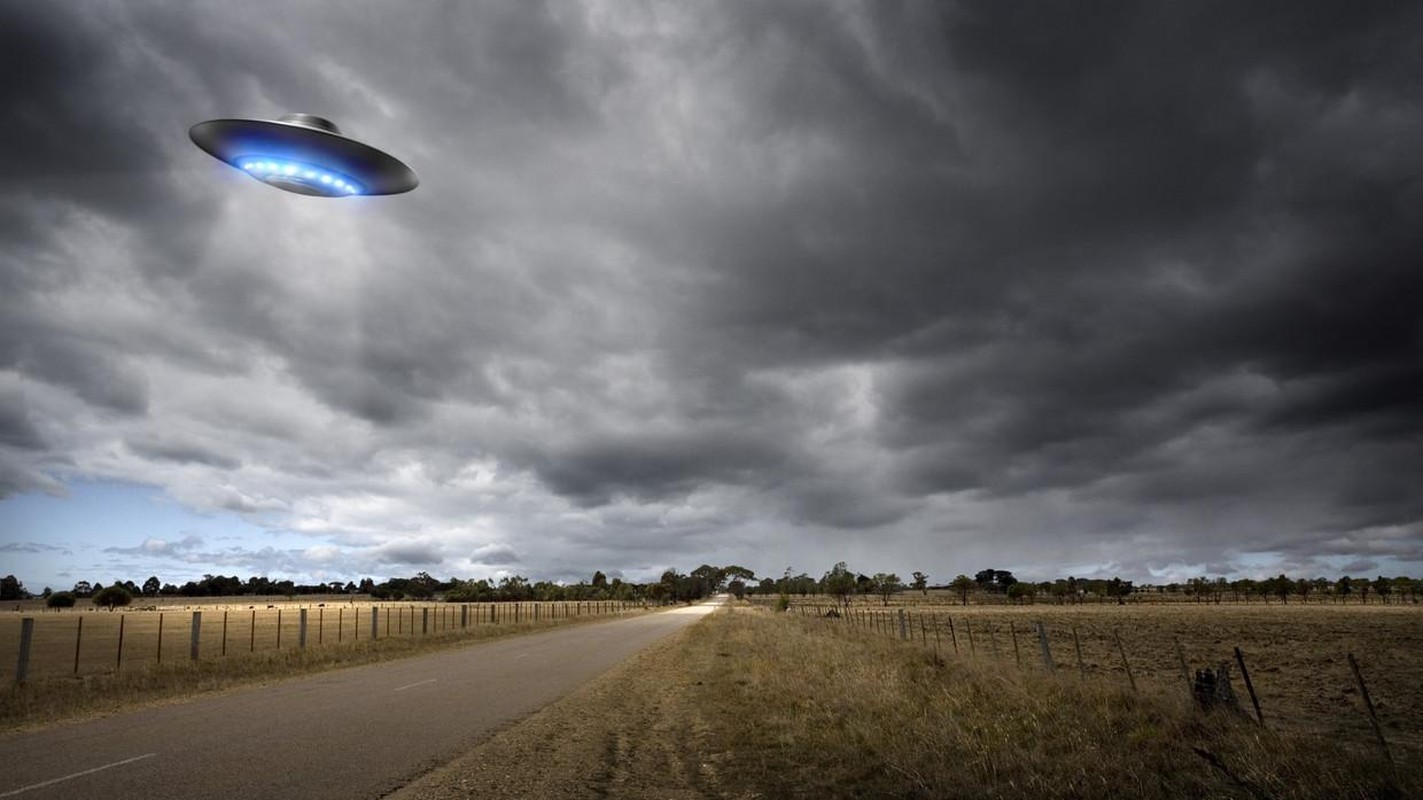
x=804 y=707
x=51 y=699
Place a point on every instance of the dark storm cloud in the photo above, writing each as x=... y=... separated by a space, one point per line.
x=1031 y=283
x=182 y=453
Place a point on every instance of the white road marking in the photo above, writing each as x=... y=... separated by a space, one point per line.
x=53 y=781
x=413 y=685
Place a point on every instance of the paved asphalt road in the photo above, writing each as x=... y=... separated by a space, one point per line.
x=355 y=733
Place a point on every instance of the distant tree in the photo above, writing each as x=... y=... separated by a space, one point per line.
x=1303 y=587
x=112 y=597
x=83 y=589
x=600 y=581
x=1282 y=587
x=1119 y=589
x=737 y=587
x=963 y=584
x=151 y=587
x=1344 y=587
x=12 y=589
x=1383 y=587
x=921 y=582
x=60 y=600
x=1020 y=591
x=994 y=580
x=839 y=583
x=711 y=579
x=886 y=584
x=737 y=571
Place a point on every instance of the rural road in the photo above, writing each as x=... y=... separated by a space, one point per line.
x=354 y=733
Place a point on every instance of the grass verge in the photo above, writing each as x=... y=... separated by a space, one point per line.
x=50 y=700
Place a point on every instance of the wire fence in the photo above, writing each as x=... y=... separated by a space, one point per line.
x=83 y=642
x=1279 y=678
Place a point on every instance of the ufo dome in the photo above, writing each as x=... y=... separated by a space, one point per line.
x=304 y=154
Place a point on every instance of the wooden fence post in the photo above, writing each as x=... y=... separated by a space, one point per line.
x=194 y=635
x=464 y=617
x=1185 y=670
x=160 y=637
x=375 y=622
x=279 y=629
x=224 y=633
x=1043 y=644
x=27 y=635
x=968 y=626
x=119 y=659
x=1369 y=704
x=252 y=634
x=79 y=637
x=424 y=621
x=301 y=629
x=903 y=631
x=1120 y=649
x=1013 y=631
x=1249 y=687
x=953 y=636
x=1077 y=645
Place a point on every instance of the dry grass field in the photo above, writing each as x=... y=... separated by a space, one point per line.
x=752 y=704
x=239 y=641
x=1295 y=654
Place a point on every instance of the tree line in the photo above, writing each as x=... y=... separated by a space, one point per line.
x=672 y=586
x=839 y=582
x=842 y=583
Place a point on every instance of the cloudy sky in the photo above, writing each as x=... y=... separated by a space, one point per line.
x=1132 y=290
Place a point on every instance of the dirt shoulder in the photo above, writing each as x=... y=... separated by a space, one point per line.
x=635 y=732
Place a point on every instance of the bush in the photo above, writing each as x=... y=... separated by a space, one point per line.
x=112 y=596
x=783 y=602
x=60 y=600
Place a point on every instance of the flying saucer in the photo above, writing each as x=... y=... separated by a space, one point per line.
x=304 y=154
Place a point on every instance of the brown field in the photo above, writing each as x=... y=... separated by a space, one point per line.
x=240 y=642
x=234 y=627
x=1295 y=654
x=750 y=704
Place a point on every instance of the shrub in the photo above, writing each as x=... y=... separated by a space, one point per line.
x=112 y=596
x=60 y=600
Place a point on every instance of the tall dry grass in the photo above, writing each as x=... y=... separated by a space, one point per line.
x=804 y=707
